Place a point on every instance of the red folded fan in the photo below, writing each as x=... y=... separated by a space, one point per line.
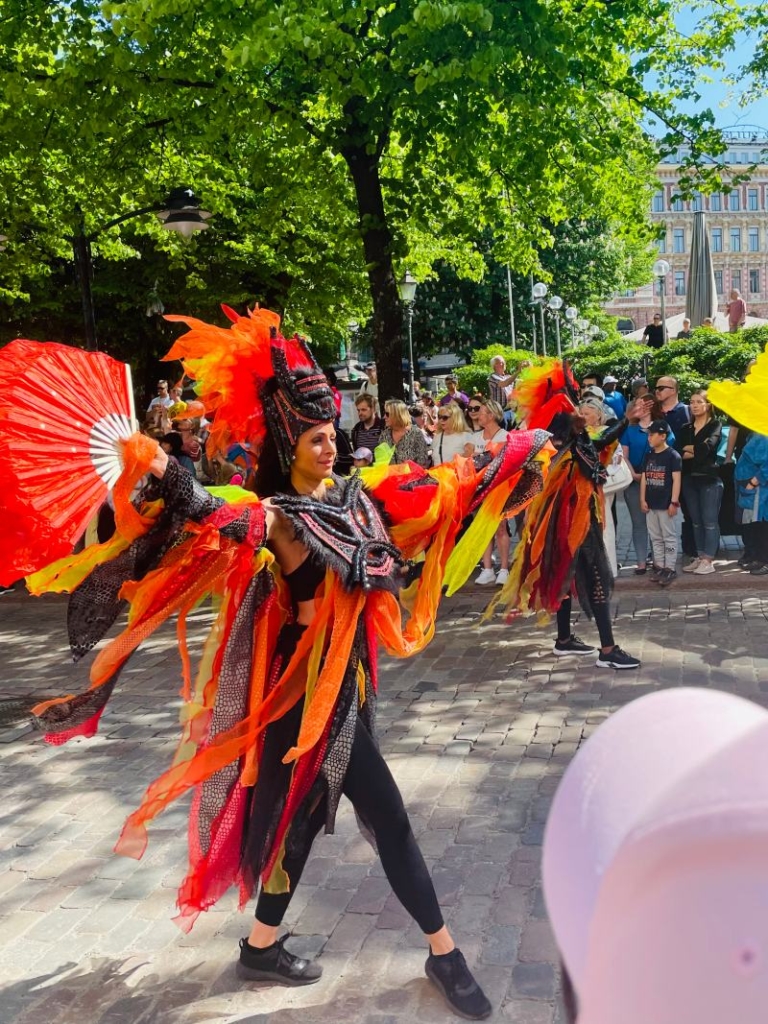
x=63 y=414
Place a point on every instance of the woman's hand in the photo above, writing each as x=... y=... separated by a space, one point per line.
x=644 y=506
x=159 y=464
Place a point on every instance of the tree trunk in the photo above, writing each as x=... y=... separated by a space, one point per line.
x=387 y=320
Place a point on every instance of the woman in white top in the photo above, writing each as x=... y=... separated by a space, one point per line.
x=490 y=420
x=452 y=435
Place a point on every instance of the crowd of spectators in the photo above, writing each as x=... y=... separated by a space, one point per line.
x=681 y=463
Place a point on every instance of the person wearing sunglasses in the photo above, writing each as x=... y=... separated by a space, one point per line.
x=473 y=412
x=490 y=419
x=452 y=437
x=404 y=441
x=675 y=412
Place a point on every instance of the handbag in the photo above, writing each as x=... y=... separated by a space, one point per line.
x=619 y=477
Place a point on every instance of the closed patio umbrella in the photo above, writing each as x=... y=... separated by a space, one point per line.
x=701 y=300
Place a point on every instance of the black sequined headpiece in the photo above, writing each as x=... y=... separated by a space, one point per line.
x=295 y=401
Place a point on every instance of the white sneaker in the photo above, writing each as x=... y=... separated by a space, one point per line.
x=704 y=568
x=501 y=577
x=693 y=565
x=485 y=578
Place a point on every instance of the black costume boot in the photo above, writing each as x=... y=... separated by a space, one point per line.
x=275 y=963
x=450 y=974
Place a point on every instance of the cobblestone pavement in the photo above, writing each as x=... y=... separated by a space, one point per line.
x=477 y=730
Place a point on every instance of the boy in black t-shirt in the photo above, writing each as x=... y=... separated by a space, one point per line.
x=660 y=500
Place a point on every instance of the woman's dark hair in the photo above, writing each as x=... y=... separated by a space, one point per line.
x=269 y=478
x=331 y=377
x=176 y=442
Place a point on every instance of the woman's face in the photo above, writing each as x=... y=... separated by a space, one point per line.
x=590 y=414
x=473 y=410
x=698 y=405
x=484 y=418
x=444 y=421
x=315 y=453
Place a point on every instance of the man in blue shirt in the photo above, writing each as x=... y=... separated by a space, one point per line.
x=677 y=414
x=614 y=398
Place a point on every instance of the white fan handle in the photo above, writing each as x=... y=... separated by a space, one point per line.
x=131 y=400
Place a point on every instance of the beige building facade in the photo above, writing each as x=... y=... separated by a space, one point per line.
x=737 y=225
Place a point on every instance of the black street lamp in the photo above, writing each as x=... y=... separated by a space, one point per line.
x=180 y=212
x=408 y=296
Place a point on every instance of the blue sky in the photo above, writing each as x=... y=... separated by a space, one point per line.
x=724 y=99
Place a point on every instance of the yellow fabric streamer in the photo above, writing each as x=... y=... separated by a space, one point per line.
x=745 y=403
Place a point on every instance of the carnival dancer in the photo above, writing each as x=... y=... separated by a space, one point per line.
x=279 y=722
x=561 y=551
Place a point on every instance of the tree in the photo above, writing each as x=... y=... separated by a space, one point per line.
x=427 y=122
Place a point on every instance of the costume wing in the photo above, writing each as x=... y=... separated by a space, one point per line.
x=746 y=403
x=64 y=414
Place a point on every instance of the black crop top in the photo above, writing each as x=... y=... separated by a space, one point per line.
x=304 y=580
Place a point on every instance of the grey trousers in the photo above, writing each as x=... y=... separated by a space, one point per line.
x=662 y=530
x=639 y=525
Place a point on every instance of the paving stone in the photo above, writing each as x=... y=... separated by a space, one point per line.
x=478 y=730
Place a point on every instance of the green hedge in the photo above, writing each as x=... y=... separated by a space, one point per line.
x=706 y=356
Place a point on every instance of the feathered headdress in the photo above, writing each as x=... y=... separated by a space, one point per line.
x=253 y=381
x=542 y=392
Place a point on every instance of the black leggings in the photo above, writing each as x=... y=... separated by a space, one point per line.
x=374 y=795
x=602 y=615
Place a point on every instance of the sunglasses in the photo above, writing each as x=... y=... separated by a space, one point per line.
x=443 y=417
x=474 y=408
x=665 y=387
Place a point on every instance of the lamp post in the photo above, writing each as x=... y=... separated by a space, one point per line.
x=660 y=271
x=511 y=308
x=570 y=315
x=582 y=326
x=180 y=212
x=555 y=304
x=594 y=330
x=408 y=286
x=539 y=294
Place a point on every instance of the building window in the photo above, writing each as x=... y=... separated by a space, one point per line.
x=679 y=282
x=752 y=199
x=677 y=204
x=734 y=202
x=719 y=282
x=696 y=203
x=716 y=202
x=736 y=279
x=661 y=244
x=735 y=239
x=717 y=239
x=754 y=240
x=678 y=240
x=658 y=202
x=754 y=282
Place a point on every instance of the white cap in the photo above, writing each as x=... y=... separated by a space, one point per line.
x=655 y=863
x=610 y=380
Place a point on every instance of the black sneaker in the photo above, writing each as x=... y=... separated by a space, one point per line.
x=572 y=646
x=667 y=576
x=759 y=569
x=617 y=659
x=453 y=979
x=656 y=573
x=275 y=963
x=6 y=590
